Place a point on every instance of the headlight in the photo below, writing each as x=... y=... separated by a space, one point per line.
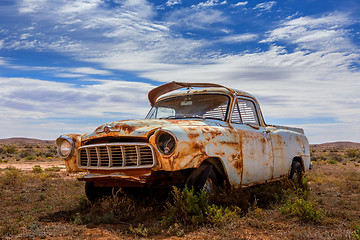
x=165 y=142
x=65 y=147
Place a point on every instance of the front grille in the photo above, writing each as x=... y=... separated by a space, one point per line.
x=116 y=156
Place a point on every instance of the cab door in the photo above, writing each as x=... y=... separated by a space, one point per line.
x=255 y=141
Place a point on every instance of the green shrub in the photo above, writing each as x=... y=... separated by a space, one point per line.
x=218 y=215
x=353 y=153
x=26 y=153
x=356 y=232
x=12 y=177
x=306 y=210
x=332 y=161
x=29 y=158
x=37 y=169
x=10 y=149
x=140 y=230
x=191 y=208
x=188 y=207
x=53 y=169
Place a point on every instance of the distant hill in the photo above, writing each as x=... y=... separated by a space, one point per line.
x=337 y=145
x=25 y=141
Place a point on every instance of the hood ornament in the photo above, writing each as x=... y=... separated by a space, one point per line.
x=107 y=129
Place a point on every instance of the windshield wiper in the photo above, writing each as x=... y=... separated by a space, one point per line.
x=214 y=118
x=182 y=117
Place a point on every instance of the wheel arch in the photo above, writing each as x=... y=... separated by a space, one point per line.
x=219 y=167
x=299 y=160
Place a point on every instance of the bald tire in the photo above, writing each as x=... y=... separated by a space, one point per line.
x=296 y=173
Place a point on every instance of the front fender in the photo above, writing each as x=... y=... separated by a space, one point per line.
x=197 y=144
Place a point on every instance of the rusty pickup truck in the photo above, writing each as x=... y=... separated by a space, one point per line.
x=205 y=136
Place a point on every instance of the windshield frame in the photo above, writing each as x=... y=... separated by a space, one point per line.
x=229 y=103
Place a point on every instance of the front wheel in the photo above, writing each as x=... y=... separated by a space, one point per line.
x=204 y=179
x=95 y=193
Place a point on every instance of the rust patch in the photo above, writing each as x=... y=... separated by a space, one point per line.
x=125 y=128
x=193 y=135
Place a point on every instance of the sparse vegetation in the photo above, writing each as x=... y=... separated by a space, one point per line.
x=43 y=202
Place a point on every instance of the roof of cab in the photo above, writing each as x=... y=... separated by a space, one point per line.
x=206 y=88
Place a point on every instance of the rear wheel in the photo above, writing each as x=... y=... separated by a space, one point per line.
x=296 y=173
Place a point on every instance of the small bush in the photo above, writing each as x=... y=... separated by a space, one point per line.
x=29 y=158
x=53 y=169
x=306 y=210
x=37 y=169
x=190 y=208
x=353 y=153
x=332 y=162
x=12 y=177
x=218 y=215
x=10 y=149
x=356 y=232
x=140 y=230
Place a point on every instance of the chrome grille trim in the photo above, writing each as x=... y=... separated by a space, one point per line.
x=116 y=156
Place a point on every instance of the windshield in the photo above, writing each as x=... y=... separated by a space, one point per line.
x=210 y=106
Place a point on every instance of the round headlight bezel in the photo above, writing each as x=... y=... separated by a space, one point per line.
x=165 y=142
x=60 y=147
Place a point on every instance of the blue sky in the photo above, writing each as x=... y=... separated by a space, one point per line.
x=71 y=65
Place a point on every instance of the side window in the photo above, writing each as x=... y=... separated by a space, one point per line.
x=235 y=117
x=244 y=112
x=247 y=112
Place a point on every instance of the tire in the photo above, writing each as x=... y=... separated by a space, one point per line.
x=95 y=193
x=296 y=173
x=204 y=179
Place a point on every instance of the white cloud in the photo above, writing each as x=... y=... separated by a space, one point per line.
x=70 y=75
x=25 y=36
x=209 y=3
x=240 y=4
x=173 y=2
x=196 y=18
x=238 y=38
x=88 y=70
x=265 y=6
x=298 y=84
x=80 y=6
x=30 y=6
x=316 y=33
x=40 y=103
